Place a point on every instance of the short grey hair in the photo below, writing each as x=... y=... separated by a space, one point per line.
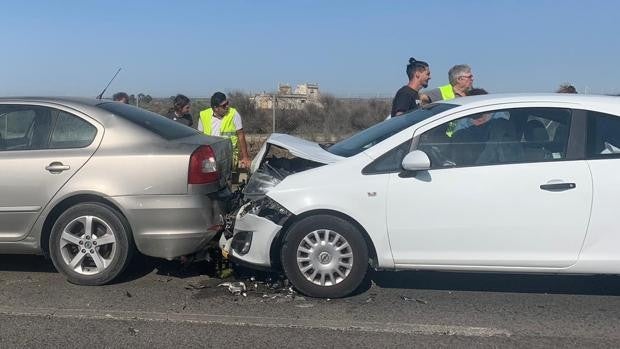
x=457 y=71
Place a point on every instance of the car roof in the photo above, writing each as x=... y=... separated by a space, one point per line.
x=499 y=98
x=68 y=101
x=598 y=103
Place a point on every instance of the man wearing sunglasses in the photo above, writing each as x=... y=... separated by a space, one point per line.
x=461 y=81
x=224 y=121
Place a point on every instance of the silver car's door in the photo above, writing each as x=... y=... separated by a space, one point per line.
x=40 y=149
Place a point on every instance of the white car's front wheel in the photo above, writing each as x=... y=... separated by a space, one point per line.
x=324 y=256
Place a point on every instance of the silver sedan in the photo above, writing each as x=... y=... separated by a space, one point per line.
x=87 y=182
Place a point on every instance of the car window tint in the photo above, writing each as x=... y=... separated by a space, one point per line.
x=383 y=130
x=603 y=135
x=390 y=161
x=155 y=123
x=15 y=124
x=498 y=137
x=23 y=127
x=71 y=131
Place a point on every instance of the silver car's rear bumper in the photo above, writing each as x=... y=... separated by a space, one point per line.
x=170 y=226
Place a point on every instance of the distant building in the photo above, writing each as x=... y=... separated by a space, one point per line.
x=287 y=98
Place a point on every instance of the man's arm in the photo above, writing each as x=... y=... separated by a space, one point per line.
x=245 y=161
x=400 y=104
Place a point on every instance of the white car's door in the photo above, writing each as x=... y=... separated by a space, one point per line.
x=503 y=195
x=40 y=149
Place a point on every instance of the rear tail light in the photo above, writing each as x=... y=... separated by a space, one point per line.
x=203 y=166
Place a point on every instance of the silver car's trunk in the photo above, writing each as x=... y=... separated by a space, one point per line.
x=223 y=152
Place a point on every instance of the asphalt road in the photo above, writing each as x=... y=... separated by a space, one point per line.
x=156 y=304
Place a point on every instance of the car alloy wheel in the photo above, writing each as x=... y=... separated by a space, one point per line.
x=91 y=243
x=88 y=245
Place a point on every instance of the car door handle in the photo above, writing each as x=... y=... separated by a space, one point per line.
x=558 y=186
x=57 y=167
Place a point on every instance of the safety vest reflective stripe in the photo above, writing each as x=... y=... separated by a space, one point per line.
x=227 y=128
x=447 y=92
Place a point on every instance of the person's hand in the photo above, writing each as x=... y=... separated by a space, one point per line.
x=245 y=163
x=424 y=99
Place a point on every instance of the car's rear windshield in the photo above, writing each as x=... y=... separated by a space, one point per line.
x=383 y=130
x=158 y=124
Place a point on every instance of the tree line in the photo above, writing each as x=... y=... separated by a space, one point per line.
x=334 y=118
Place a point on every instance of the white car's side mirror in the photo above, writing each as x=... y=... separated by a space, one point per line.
x=417 y=160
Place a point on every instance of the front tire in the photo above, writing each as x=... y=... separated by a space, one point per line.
x=90 y=244
x=324 y=256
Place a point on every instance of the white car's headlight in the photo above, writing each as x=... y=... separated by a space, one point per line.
x=263 y=180
x=267 y=208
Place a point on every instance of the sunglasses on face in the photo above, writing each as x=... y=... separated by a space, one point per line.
x=223 y=105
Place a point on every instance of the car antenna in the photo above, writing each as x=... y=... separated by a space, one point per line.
x=108 y=85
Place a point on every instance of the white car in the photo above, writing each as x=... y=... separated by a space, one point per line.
x=501 y=183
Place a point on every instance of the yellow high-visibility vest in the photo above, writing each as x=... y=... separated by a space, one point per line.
x=227 y=128
x=447 y=92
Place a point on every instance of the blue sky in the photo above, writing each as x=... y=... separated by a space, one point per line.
x=350 y=48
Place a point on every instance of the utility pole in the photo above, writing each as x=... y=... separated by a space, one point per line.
x=273 y=114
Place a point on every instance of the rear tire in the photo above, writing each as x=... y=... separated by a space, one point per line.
x=91 y=244
x=324 y=256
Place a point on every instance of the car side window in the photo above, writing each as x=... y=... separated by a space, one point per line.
x=16 y=127
x=71 y=131
x=499 y=137
x=32 y=127
x=389 y=162
x=603 y=136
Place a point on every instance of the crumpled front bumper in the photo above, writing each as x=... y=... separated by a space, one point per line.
x=259 y=231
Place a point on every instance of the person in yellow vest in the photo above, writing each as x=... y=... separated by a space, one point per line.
x=224 y=121
x=461 y=81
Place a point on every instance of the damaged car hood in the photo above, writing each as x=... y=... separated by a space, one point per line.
x=299 y=147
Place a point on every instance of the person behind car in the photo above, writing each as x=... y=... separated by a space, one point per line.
x=461 y=80
x=122 y=97
x=407 y=97
x=566 y=88
x=223 y=120
x=180 y=111
x=469 y=141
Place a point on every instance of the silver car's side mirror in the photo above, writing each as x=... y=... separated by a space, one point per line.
x=417 y=160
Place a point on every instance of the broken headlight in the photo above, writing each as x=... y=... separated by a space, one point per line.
x=267 y=208
x=263 y=180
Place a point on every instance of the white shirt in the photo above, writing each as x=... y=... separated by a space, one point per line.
x=216 y=123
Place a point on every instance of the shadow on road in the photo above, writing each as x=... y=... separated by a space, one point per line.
x=139 y=267
x=491 y=282
x=427 y=280
x=26 y=263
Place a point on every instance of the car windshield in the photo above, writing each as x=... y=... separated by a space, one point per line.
x=377 y=133
x=155 y=123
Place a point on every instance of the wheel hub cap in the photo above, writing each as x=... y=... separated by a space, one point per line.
x=324 y=257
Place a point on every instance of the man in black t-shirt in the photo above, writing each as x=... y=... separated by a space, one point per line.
x=407 y=97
